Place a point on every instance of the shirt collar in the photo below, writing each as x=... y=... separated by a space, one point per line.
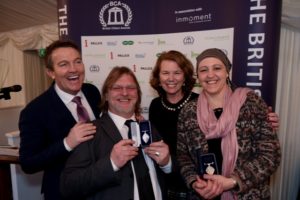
x=66 y=97
x=118 y=120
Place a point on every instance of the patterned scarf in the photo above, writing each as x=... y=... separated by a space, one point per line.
x=224 y=127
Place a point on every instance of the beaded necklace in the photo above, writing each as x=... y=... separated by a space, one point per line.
x=175 y=108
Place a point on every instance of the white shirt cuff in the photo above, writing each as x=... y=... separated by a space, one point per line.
x=115 y=168
x=168 y=167
x=67 y=146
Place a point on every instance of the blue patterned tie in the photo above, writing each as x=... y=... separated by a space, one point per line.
x=83 y=115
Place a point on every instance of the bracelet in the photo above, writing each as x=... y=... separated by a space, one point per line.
x=235 y=184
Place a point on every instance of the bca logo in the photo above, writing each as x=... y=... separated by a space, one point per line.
x=188 y=40
x=94 y=68
x=115 y=14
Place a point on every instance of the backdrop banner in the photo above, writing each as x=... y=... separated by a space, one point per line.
x=133 y=33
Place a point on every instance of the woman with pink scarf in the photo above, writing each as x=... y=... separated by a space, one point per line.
x=225 y=134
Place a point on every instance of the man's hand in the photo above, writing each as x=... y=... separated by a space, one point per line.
x=159 y=151
x=80 y=132
x=122 y=152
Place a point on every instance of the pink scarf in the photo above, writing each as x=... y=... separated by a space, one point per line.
x=224 y=127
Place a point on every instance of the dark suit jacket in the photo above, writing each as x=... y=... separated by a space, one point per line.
x=89 y=174
x=43 y=124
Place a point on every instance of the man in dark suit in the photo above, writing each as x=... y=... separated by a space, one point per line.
x=50 y=127
x=104 y=168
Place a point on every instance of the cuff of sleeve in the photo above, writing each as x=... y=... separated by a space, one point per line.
x=115 y=168
x=67 y=146
x=168 y=167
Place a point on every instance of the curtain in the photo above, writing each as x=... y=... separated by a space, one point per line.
x=13 y=44
x=36 y=80
x=14 y=74
x=286 y=181
x=3 y=71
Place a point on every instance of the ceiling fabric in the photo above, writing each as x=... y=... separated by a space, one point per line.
x=34 y=37
x=19 y=14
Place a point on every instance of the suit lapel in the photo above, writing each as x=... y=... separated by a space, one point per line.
x=59 y=108
x=110 y=128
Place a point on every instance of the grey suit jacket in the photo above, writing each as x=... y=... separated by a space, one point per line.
x=89 y=174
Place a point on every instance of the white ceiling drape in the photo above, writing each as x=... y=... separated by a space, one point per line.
x=31 y=38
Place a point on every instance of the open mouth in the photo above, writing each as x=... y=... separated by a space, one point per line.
x=73 y=78
x=211 y=82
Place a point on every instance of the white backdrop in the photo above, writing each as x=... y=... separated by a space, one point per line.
x=139 y=52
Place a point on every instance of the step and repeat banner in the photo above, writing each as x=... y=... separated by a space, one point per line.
x=133 y=33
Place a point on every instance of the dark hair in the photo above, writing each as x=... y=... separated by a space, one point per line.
x=185 y=65
x=112 y=77
x=55 y=45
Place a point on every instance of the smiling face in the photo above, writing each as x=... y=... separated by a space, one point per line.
x=68 y=69
x=171 y=78
x=212 y=76
x=122 y=96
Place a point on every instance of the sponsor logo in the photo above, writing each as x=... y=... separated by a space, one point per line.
x=146 y=42
x=96 y=43
x=140 y=55
x=134 y=68
x=91 y=55
x=144 y=110
x=111 y=43
x=115 y=15
x=124 y=55
x=146 y=68
x=188 y=10
x=194 y=19
x=94 y=68
x=218 y=38
x=158 y=54
x=128 y=42
x=85 y=43
x=194 y=54
x=161 y=42
x=192 y=16
x=188 y=40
